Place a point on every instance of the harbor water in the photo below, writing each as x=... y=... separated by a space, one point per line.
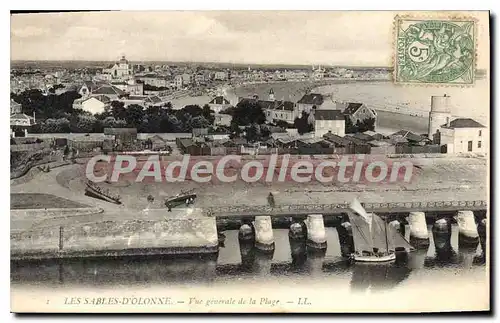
x=441 y=274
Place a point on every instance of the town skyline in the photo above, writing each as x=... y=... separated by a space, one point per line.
x=233 y=37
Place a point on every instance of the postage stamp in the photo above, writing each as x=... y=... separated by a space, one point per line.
x=435 y=51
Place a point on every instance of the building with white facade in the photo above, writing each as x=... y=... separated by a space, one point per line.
x=281 y=111
x=326 y=121
x=463 y=135
x=310 y=101
x=221 y=76
x=121 y=69
x=20 y=122
x=359 y=112
x=221 y=119
x=94 y=105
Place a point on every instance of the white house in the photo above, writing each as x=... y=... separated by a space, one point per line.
x=464 y=135
x=221 y=119
x=308 y=101
x=96 y=104
x=359 y=112
x=281 y=111
x=221 y=76
x=328 y=121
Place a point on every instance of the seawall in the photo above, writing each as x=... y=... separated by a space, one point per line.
x=193 y=233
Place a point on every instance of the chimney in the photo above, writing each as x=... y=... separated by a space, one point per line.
x=447 y=120
x=34 y=120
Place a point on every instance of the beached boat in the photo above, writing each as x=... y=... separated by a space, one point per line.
x=184 y=197
x=93 y=190
x=374 y=239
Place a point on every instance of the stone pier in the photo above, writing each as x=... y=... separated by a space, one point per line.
x=316 y=234
x=441 y=225
x=467 y=229
x=396 y=225
x=419 y=236
x=246 y=233
x=296 y=231
x=264 y=237
x=481 y=230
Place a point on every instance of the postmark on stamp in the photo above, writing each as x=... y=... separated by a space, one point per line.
x=435 y=51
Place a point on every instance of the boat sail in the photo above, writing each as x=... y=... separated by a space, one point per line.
x=374 y=239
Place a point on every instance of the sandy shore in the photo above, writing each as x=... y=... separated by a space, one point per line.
x=398 y=107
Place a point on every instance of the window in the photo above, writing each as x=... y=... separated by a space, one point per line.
x=479 y=144
x=480 y=132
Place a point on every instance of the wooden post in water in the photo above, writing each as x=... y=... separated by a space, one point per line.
x=61 y=237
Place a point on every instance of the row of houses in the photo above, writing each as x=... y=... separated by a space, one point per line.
x=323 y=113
x=368 y=142
x=97 y=96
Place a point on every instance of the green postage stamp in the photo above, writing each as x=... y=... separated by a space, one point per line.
x=435 y=51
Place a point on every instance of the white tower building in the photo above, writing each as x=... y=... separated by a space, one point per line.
x=271 y=95
x=440 y=113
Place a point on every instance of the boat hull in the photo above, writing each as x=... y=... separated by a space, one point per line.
x=90 y=191
x=386 y=258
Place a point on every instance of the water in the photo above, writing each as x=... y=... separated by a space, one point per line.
x=240 y=266
x=399 y=107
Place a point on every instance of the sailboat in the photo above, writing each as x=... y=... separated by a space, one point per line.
x=374 y=240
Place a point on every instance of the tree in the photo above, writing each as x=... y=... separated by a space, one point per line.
x=170 y=123
x=46 y=107
x=247 y=112
x=302 y=124
x=193 y=109
x=207 y=113
x=134 y=115
x=56 y=126
x=82 y=123
x=118 y=110
x=197 y=122
x=360 y=126
x=252 y=133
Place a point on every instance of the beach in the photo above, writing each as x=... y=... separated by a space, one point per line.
x=399 y=107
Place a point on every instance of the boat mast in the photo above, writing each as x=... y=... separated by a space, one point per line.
x=386 y=238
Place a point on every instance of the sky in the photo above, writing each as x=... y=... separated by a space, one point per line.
x=261 y=37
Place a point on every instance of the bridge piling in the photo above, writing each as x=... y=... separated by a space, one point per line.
x=296 y=231
x=419 y=236
x=345 y=239
x=396 y=225
x=481 y=230
x=316 y=234
x=246 y=233
x=441 y=225
x=467 y=229
x=264 y=238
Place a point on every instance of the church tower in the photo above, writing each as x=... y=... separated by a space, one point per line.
x=271 y=95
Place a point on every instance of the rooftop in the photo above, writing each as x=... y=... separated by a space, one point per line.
x=352 y=108
x=312 y=98
x=328 y=115
x=219 y=100
x=464 y=123
x=109 y=90
x=410 y=136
